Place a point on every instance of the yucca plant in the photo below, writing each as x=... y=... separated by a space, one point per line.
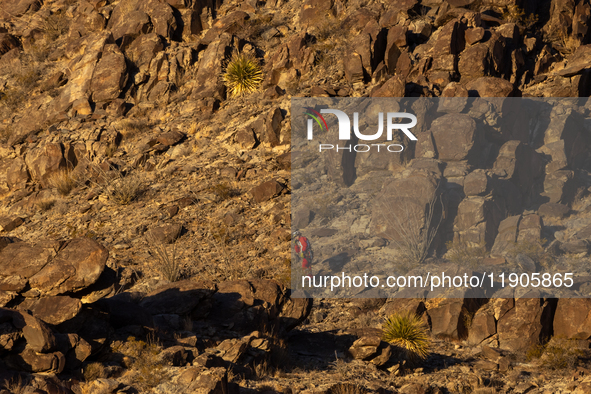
x=243 y=74
x=407 y=331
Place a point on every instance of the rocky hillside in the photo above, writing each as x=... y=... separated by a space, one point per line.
x=145 y=212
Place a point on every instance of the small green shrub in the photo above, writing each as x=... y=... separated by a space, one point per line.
x=559 y=353
x=534 y=249
x=243 y=74
x=408 y=331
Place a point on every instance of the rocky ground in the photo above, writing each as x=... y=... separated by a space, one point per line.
x=145 y=215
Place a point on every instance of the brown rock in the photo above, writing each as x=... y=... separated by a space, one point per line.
x=354 y=70
x=476 y=183
x=171 y=138
x=483 y=326
x=20 y=261
x=301 y=218
x=268 y=127
x=44 y=161
x=394 y=87
x=477 y=220
x=32 y=361
x=245 y=138
x=314 y=11
x=474 y=61
x=8 y=224
x=53 y=310
x=490 y=87
x=559 y=187
x=577 y=62
x=230 y=23
x=572 y=319
x=565 y=125
x=77 y=265
x=110 y=75
x=165 y=234
x=519 y=163
x=135 y=17
x=210 y=381
x=474 y=35
x=446 y=319
x=207 y=79
x=553 y=210
x=456 y=137
x=266 y=191
x=525 y=324
x=365 y=348
x=39 y=337
x=143 y=49
x=16 y=173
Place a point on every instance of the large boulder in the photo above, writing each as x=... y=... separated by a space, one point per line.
x=20 y=261
x=76 y=266
x=572 y=319
x=526 y=324
x=457 y=138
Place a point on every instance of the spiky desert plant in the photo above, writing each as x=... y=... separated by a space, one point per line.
x=243 y=74
x=407 y=330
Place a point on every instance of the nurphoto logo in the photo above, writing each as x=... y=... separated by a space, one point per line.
x=345 y=129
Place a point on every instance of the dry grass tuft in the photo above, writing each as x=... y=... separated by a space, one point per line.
x=63 y=181
x=45 y=204
x=16 y=385
x=466 y=254
x=94 y=371
x=167 y=263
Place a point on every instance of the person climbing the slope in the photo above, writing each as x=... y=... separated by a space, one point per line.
x=303 y=250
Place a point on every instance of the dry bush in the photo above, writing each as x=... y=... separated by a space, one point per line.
x=568 y=44
x=167 y=263
x=45 y=204
x=56 y=26
x=558 y=353
x=466 y=254
x=223 y=191
x=16 y=385
x=532 y=248
x=148 y=367
x=94 y=371
x=119 y=188
x=514 y=14
x=63 y=180
x=413 y=229
x=130 y=128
